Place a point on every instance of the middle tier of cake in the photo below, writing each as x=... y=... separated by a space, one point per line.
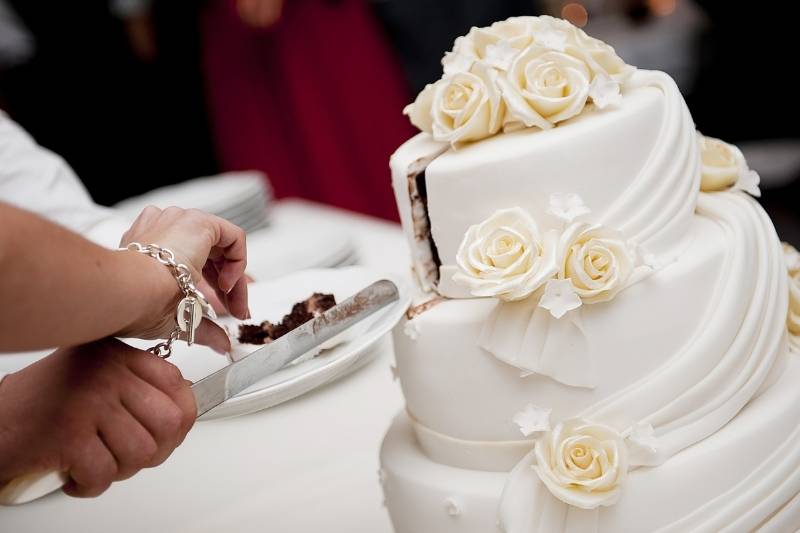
x=683 y=350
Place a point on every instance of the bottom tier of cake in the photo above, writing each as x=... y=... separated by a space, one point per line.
x=744 y=477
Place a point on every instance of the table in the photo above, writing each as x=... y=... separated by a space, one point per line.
x=307 y=465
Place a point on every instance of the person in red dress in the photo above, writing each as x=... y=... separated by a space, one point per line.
x=309 y=92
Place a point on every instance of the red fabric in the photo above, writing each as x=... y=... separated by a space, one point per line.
x=315 y=102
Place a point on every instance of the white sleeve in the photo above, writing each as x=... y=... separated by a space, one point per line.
x=36 y=179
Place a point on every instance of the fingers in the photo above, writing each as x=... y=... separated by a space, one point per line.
x=232 y=246
x=229 y=259
x=237 y=300
x=132 y=446
x=92 y=468
x=167 y=378
x=159 y=419
x=209 y=286
x=211 y=335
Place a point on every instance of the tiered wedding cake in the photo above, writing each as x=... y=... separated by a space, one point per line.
x=598 y=345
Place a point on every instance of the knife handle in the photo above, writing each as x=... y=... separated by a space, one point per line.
x=31 y=487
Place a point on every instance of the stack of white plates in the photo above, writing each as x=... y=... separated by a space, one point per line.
x=241 y=197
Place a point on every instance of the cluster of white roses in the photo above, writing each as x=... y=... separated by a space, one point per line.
x=724 y=167
x=521 y=72
x=508 y=257
x=793 y=266
x=581 y=462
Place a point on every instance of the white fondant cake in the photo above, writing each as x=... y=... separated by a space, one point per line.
x=602 y=341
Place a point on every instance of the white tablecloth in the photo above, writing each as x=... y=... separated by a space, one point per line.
x=309 y=465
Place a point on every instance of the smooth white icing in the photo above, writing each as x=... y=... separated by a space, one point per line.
x=445 y=367
x=636 y=165
x=689 y=373
x=746 y=476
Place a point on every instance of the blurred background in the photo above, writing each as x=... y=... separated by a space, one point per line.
x=137 y=94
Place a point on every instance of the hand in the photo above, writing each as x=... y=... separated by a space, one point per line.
x=212 y=248
x=99 y=412
x=260 y=13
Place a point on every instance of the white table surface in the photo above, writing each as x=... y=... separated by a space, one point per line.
x=308 y=465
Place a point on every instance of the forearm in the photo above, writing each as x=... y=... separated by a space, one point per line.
x=60 y=289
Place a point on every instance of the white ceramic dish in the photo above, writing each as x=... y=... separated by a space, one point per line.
x=272 y=300
x=282 y=248
x=226 y=193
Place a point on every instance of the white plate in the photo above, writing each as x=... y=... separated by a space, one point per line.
x=283 y=247
x=213 y=194
x=272 y=300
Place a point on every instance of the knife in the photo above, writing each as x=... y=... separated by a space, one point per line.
x=229 y=381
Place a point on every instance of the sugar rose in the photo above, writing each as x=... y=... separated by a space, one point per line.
x=582 y=464
x=724 y=167
x=601 y=57
x=598 y=261
x=793 y=264
x=461 y=107
x=505 y=256
x=544 y=87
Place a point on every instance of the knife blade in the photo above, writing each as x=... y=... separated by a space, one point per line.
x=236 y=377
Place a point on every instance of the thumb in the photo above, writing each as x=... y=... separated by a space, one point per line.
x=211 y=335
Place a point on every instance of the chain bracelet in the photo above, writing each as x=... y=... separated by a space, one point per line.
x=193 y=301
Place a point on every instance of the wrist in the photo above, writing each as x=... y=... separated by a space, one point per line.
x=158 y=294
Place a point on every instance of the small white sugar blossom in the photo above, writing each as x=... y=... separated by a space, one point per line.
x=567 y=206
x=749 y=182
x=456 y=63
x=533 y=419
x=643 y=436
x=605 y=92
x=552 y=39
x=500 y=55
x=559 y=297
x=642 y=444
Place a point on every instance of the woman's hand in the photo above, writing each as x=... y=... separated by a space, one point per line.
x=215 y=252
x=99 y=412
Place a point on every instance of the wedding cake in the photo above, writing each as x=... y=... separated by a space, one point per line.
x=600 y=341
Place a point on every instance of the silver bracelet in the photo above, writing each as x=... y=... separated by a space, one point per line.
x=190 y=309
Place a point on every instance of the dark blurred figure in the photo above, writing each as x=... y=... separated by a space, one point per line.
x=310 y=92
x=115 y=90
x=423 y=30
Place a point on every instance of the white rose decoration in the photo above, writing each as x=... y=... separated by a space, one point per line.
x=520 y=72
x=601 y=58
x=505 y=256
x=545 y=87
x=724 y=166
x=462 y=107
x=582 y=464
x=793 y=264
x=598 y=261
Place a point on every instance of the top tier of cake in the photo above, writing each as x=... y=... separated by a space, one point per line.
x=634 y=163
